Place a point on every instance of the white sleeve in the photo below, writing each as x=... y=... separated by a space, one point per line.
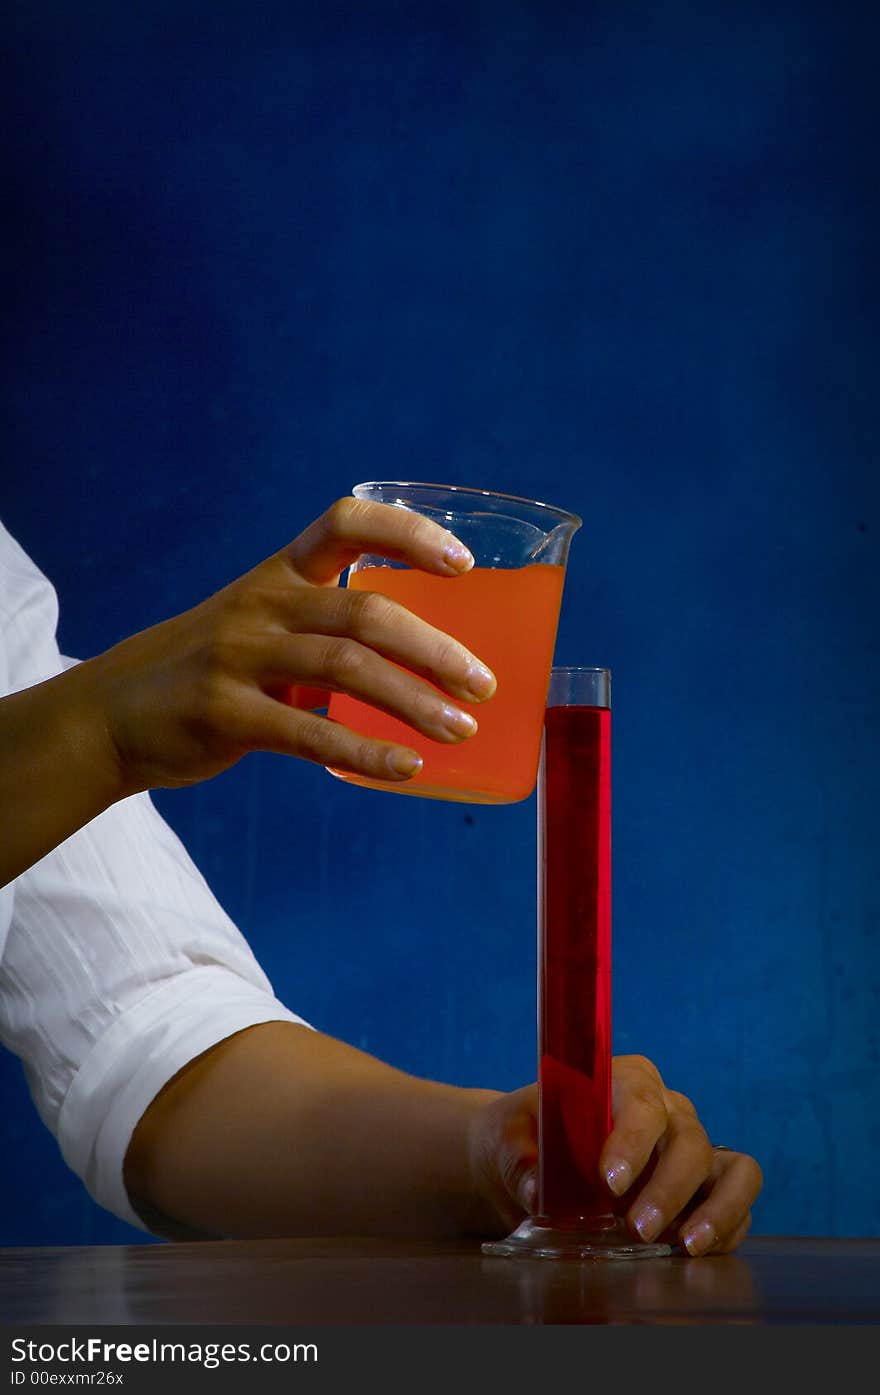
x=119 y=966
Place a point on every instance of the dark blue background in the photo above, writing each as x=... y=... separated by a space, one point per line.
x=621 y=257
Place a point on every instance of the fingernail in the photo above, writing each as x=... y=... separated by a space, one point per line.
x=480 y=679
x=619 y=1177
x=648 y=1221
x=456 y=722
x=457 y=557
x=699 y=1237
x=402 y=762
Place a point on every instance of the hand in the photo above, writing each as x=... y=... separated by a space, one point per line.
x=187 y=698
x=661 y=1171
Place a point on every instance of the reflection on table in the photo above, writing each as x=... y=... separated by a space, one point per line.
x=365 y=1281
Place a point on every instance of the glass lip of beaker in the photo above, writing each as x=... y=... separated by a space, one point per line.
x=469 y=492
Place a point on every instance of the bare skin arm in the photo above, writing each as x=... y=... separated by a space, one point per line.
x=184 y=700
x=58 y=768
x=284 y=1131
x=281 y=1130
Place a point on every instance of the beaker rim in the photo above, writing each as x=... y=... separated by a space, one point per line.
x=470 y=492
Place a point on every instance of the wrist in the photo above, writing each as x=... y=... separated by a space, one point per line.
x=59 y=769
x=81 y=712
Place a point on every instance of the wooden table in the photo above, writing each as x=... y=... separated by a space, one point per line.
x=342 y=1282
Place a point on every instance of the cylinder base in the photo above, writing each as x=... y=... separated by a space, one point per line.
x=601 y=1239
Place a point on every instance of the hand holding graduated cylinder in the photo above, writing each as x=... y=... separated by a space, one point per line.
x=574 y=1219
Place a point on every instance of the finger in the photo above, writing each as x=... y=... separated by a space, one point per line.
x=269 y=725
x=518 y=1166
x=699 y=1240
x=735 y=1180
x=639 y=1122
x=684 y=1162
x=733 y=1242
x=351 y=527
x=383 y=625
x=516 y=1155
x=345 y=666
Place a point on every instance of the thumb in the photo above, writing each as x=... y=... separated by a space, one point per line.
x=527 y=1191
x=519 y=1172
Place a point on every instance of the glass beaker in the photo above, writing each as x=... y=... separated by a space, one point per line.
x=574 y=1219
x=505 y=610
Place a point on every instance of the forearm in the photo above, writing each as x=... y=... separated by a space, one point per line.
x=57 y=770
x=284 y=1131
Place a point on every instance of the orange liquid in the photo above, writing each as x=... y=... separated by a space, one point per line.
x=508 y=618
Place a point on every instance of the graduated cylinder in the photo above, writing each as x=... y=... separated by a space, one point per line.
x=574 y=946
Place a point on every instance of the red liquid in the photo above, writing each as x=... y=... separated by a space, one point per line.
x=574 y=926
